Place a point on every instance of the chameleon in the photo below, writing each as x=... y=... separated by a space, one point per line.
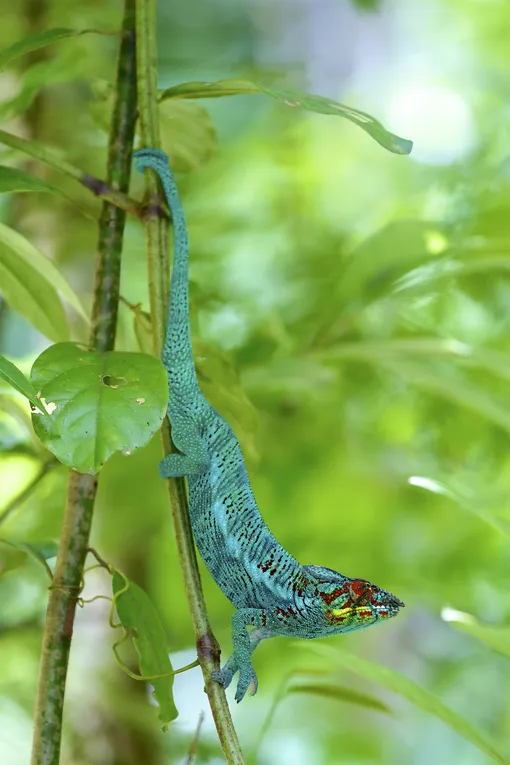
x=273 y=594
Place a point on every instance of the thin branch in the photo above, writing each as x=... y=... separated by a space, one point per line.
x=102 y=189
x=196 y=738
x=46 y=467
x=156 y=228
x=81 y=492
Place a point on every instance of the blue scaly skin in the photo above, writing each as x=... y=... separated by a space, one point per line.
x=272 y=592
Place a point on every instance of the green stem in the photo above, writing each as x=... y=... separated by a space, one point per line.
x=99 y=188
x=81 y=493
x=156 y=227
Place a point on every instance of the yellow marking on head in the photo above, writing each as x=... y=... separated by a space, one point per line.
x=341 y=611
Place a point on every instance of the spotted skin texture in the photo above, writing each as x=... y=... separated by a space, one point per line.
x=272 y=592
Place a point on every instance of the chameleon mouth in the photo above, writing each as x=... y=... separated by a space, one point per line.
x=390 y=608
x=390 y=602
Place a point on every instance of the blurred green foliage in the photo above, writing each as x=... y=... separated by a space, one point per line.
x=351 y=310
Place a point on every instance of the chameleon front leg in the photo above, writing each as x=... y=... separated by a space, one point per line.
x=244 y=644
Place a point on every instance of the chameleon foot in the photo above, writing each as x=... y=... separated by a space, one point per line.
x=247 y=681
x=224 y=676
x=247 y=678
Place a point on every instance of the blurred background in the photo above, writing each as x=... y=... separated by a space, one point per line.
x=351 y=310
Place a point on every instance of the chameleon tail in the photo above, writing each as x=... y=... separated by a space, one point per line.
x=177 y=349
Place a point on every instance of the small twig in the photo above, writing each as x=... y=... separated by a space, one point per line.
x=194 y=744
x=100 y=560
x=18 y=500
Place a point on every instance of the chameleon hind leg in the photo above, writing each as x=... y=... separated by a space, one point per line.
x=193 y=458
x=179 y=465
x=244 y=645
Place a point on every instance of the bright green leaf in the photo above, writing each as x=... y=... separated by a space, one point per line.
x=188 y=134
x=31 y=295
x=311 y=103
x=29 y=258
x=39 y=40
x=17 y=380
x=139 y=616
x=411 y=691
x=498 y=638
x=99 y=403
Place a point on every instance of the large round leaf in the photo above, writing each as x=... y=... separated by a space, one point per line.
x=98 y=403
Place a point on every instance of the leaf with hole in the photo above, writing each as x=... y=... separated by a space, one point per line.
x=99 y=403
x=233 y=87
x=411 y=691
x=139 y=618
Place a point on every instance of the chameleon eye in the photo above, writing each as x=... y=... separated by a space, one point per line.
x=359 y=588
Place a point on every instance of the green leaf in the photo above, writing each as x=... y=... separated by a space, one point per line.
x=42 y=154
x=464 y=496
x=188 y=134
x=17 y=380
x=233 y=87
x=331 y=690
x=39 y=40
x=375 y=264
x=99 y=403
x=452 y=387
x=10 y=557
x=16 y=408
x=498 y=638
x=24 y=263
x=14 y=180
x=139 y=616
x=39 y=551
x=411 y=691
x=30 y=295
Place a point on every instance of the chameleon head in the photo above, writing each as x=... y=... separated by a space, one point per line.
x=351 y=604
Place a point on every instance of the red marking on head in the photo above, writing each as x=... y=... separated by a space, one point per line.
x=329 y=597
x=359 y=586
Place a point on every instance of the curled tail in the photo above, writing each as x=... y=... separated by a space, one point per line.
x=177 y=353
